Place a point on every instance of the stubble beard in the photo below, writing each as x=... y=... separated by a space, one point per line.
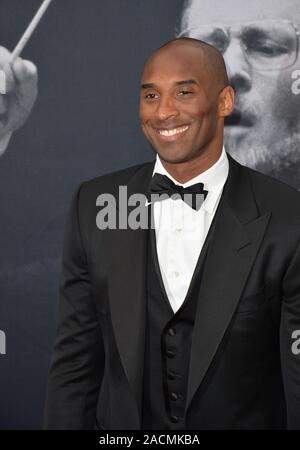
x=279 y=158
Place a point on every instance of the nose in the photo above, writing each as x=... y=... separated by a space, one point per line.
x=167 y=108
x=238 y=68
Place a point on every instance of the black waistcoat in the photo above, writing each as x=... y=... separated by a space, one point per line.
x=167 y=344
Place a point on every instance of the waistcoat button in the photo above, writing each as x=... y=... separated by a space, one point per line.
x=173 y=396
x=171 y=331
x=171 y=375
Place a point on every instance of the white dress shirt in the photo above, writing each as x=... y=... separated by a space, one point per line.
x=181 y=231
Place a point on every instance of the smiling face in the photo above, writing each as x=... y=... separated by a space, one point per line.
x=182 y=105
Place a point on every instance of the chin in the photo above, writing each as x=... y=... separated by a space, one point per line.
x=173 y=156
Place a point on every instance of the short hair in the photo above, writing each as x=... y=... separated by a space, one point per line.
x=213 y=57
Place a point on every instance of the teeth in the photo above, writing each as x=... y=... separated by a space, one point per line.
x=172 y=132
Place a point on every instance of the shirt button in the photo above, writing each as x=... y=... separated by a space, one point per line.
x=171 y=331
x=176 y=274
x=170 y=354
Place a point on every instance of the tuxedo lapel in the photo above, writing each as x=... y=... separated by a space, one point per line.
x=236 y=240
x=127 y=277
x=237 y=236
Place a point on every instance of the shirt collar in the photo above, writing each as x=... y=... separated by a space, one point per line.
x=213 y=179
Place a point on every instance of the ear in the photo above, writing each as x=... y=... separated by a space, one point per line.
x=226 y=101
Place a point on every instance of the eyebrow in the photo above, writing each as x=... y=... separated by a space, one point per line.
x=178 y=83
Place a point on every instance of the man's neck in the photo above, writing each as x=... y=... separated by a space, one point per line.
x=185 y=171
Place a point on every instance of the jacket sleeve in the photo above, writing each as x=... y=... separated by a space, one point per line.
x=77 y=363
x=289 y=330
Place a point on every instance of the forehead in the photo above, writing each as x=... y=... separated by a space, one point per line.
x=175 y=63
x=234 y=11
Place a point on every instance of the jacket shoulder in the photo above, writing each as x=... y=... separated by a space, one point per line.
x=109 y=182
x=263 y=181
x=274 y=194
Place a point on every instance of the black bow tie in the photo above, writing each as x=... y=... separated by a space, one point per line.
x=161 y=184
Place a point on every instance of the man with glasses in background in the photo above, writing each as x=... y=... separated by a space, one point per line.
x=259 y=41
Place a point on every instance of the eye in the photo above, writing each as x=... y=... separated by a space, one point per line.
x=184 y=93
x=268 y=48
x=217 y=39
x=151 y=96
x=265 y=44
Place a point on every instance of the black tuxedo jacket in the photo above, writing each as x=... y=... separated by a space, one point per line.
x=244 y=370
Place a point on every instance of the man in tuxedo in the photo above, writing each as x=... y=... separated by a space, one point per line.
x=186 y=324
